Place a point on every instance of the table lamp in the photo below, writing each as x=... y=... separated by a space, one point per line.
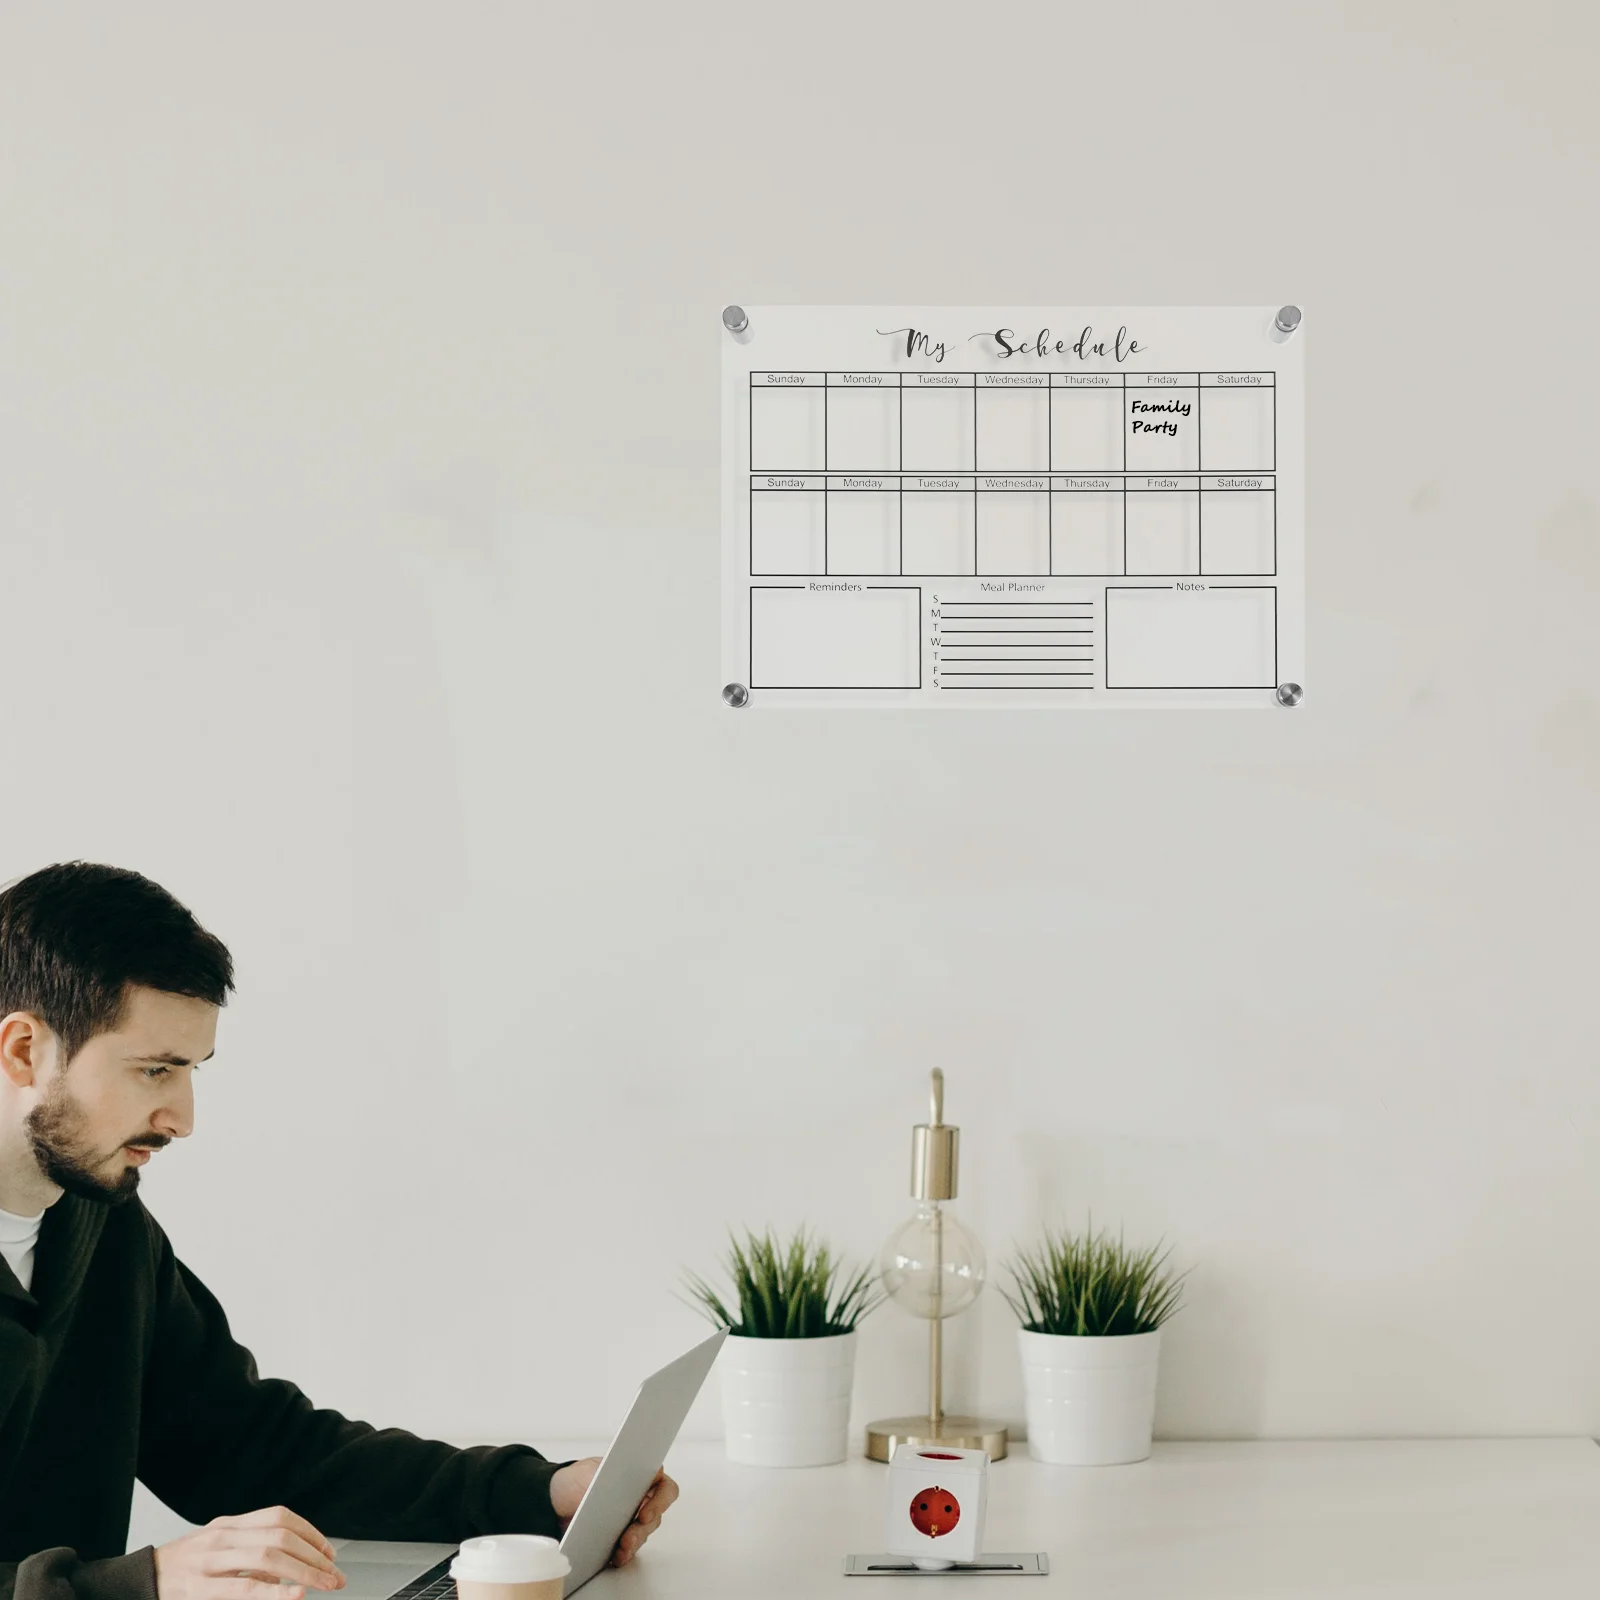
x=934 y=1267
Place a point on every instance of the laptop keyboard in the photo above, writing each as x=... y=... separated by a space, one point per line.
x=434 y=1584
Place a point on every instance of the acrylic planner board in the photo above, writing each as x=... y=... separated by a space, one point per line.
x=1066 y=507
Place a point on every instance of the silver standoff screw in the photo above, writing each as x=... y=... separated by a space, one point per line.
x=736 y=694
x=1290 y=694
x=1286 y=321
x=735 y=321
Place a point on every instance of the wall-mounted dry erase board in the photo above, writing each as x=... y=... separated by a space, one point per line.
x=1066 y=507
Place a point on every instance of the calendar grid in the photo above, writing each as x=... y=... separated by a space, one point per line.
x=832 y=492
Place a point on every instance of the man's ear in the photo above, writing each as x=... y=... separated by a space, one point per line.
x=22 y=1044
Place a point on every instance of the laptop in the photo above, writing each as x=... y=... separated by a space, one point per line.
x=398 y=1571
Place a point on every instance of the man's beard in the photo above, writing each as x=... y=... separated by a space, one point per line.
x=55 y=1130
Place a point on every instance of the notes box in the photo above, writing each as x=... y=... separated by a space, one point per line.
x=862 y=638
x=1217 y=638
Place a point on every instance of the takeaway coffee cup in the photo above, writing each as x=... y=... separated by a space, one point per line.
x=510 y=1566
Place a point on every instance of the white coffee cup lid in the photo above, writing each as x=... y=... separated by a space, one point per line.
x=509 y=1558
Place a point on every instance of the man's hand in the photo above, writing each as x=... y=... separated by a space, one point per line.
x=567 y=1488
x=266 y=1555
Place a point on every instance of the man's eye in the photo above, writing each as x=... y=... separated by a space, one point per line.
x=155 y=1072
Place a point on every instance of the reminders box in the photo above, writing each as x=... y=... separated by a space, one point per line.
x=1196 y=638
x=859 y=638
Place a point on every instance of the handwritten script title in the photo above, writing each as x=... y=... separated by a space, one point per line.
x=1007 y=342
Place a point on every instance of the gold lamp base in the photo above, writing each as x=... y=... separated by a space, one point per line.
x=960 y=1433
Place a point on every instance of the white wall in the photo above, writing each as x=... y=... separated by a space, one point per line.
x=358 y=490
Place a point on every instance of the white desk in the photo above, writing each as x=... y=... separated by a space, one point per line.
x=1515 y=1519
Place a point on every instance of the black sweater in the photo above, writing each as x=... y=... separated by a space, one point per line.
x=120 y=1365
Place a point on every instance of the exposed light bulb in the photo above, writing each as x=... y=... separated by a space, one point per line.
x=932 y=1265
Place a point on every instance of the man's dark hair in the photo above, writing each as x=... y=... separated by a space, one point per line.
x=74 y=936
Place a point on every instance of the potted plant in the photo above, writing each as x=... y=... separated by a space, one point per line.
x=1091 y=1311
x=788 y=1364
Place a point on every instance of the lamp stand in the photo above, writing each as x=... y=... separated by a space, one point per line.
x=959 y=1433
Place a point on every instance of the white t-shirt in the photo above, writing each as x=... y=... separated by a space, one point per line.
x=18 y=1236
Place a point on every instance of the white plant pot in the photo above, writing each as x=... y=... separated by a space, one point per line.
x=786 y=1402
x=1090 y=1402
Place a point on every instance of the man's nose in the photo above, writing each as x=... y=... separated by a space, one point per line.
x=176 y=1117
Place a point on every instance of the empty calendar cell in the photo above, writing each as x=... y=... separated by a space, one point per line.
x=1236 y=533
x=938 y=533
x=1013 y=429
x=1236 y=430
x=1014 y=532
x=786 y=531
x=786 y=429
x=863 y=532
x=1086 y=532
x=1086 y=429
x=863 y=429
x=1163 y=533
x=936 y=430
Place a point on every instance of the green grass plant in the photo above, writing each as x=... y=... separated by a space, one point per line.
x=785 y=1291
x=1092 y=1285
